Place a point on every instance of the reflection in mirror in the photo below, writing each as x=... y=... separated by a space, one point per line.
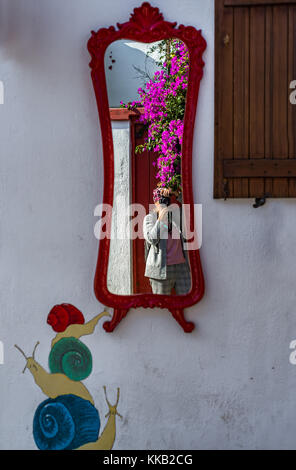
x=147 y=87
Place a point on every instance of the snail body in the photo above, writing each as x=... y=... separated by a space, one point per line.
x=78 y=330
x=107 y=438
x=53 y=385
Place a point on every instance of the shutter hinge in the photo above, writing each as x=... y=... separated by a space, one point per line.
x=261 y=201
x=226 y=189
x=226 y=40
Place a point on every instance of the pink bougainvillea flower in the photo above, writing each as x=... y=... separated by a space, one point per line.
x=163 y=100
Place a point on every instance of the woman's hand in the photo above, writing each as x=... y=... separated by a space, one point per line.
x=163 y=213
x=166 y=192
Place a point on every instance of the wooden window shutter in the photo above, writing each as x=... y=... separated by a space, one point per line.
x=255 y=122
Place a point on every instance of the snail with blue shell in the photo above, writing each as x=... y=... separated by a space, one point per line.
x=68 y=419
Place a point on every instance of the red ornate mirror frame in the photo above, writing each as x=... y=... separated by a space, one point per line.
x=147 y=25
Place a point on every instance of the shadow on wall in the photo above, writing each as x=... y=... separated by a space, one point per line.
x=32 y=29
x=22 y=29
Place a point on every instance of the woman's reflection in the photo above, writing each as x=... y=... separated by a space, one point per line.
x=167 y=263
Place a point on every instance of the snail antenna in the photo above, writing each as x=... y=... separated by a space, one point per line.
x=118 y=395
x=105 y=391
x=22 y=352
x=34 y=350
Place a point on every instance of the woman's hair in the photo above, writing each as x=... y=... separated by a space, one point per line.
x=159 y=193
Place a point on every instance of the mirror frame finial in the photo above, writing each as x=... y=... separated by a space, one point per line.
x=147 y=24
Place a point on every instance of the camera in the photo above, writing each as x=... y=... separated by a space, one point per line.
x=165 y=201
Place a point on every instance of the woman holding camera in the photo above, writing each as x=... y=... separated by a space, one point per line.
x=167 y=263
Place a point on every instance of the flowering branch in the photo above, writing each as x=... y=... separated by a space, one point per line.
x=163 y=100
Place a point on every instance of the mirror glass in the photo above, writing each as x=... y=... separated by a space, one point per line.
x=147 y=87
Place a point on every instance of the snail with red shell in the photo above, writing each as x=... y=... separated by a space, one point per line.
x=61 y=316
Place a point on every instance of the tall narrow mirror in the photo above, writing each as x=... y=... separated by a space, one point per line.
x=146 y=75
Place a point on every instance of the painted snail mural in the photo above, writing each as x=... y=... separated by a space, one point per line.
x=68 y=418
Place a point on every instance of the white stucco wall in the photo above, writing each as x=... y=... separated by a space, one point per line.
x=227 y=385
x=125 y=63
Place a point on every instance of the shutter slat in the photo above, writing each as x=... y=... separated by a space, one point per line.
x=225 y=99
x=241 y=93
x=257 y=92
x=292 y=108
x=280 y=93
x=268 y=92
